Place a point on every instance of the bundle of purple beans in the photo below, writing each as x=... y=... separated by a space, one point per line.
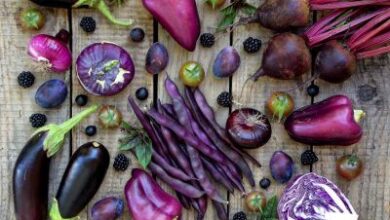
x=191 y=151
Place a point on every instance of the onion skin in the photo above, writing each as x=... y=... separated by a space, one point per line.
x=311 y=196
x=227 y=62
x=109 y=208
x=329 y=122
x=248 y=128
x=179 y=17
x=281 y=166
x=334 y=63
x=146 y=200
x=282 y=15
x=51 y=51
x=104 y=69
x=286 y=57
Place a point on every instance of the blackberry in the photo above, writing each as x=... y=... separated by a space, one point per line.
x=265 y=183
x=121 y=162
x=224 y=99
x=26 y=79
x=308 y=157
x=88 y=24
x=137 y=34
x=207 y=40
x=38 y=120
x=252 y=45
x=239 y=216
x=313 y=90
x=81 y=100
x=90 y=130
x=142 y=93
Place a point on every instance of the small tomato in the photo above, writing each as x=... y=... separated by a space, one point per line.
x=280 y=105
x=192 y=73
x=349 y=167
x=109 y=116
x=255 y=201
x=32 y=19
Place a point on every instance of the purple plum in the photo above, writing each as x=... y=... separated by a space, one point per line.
x=282 y=167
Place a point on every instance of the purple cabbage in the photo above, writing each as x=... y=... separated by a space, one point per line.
x=104 y=69
x=314 y=197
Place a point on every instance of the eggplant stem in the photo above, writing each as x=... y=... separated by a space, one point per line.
x=56 y=132
x=358 y=115
x=54 y=212
x=101 y=6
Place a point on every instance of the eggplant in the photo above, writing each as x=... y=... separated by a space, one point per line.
x=82 y=178
x=100 y=5
x=30 y=180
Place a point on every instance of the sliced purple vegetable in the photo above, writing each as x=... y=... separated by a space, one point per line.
x=104 y=69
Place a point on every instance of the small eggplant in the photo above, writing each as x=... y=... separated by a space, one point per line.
x=82 y=178
x=31 y=171
x=332 y=121
x=109 y=208
x=146 y=200
x=99 y=5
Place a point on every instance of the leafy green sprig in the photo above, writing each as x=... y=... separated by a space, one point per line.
x=230 y=13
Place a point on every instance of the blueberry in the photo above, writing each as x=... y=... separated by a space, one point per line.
x=90 y=130
x=137 y=34
x=142 y=93
x=81 y=100
x=313 y=90
x=265 y=183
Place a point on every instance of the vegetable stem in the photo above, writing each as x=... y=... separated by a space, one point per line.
x=330 y=5
x=55 y=214
x=101 y=6
x=358 y=115
x=56 y=133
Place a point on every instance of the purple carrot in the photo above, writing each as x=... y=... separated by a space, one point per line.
x=171 y=170
x=220 y=144
x=217 y=175
x=184 y=188
x=208 y=113
x=200 y=173
x=185 y=135
x=221 y=211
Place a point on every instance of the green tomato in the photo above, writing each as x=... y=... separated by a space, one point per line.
x=32 y=19
x=192 y=73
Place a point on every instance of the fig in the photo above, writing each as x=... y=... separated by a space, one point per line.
x=51 y=94
x=227 y=62
x=157 y=58
x=282 y=167
x=109 y=208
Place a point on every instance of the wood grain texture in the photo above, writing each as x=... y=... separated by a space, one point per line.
x=211 y=86
x=17 y=104
x=114 y=182
x=368 y=89
x=255 y=95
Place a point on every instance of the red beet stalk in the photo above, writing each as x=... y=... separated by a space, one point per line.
x=337 y=4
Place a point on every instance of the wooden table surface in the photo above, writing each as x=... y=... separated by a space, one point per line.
x=369 y=89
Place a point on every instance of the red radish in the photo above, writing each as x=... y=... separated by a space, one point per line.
x=179 y=17
x=286 y=57
x=334 y=62
x=280 y=15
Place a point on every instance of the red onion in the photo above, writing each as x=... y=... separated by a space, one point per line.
x=51 y=52
x=104 y=69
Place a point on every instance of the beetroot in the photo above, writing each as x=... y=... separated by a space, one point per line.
x=286 y=57
x=280 y=15
x=179 y=17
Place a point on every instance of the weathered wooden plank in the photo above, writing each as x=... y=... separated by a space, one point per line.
x=114 y=182
x=368 y=89
x=17 y=104
x=255 y=95
x=211 y=86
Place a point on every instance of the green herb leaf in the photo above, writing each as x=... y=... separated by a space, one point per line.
x=230 y=13
x=270 y=210
x=248 y=9
x=144 y=154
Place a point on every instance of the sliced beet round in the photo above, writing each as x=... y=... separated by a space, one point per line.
x=104 y=69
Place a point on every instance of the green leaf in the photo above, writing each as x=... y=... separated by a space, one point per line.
x=270 y=210
x=144 y=154
x=213 y=3
x=226 y=21
x=130 y=144
x=248 y=9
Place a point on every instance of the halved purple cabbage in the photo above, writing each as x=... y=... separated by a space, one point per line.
x=104 y=69
x=314 y=197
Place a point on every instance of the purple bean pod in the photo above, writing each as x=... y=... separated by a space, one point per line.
x=202 y=203
x=184 y=188
x=200 y=173
x=221 y=211
x=217 y=175
x=236 y=180
x=171 y=170
x=184 y=201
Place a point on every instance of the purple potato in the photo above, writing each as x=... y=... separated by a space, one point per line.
x=104 y=69
x=157 y=58
x=109 y=208
x=51 y=94
x=282 y=167
x=227 y=62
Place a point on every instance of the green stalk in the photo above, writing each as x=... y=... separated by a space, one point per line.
x=54 y=212
x=358 y=115
x=56 y=132
x=101 y=6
